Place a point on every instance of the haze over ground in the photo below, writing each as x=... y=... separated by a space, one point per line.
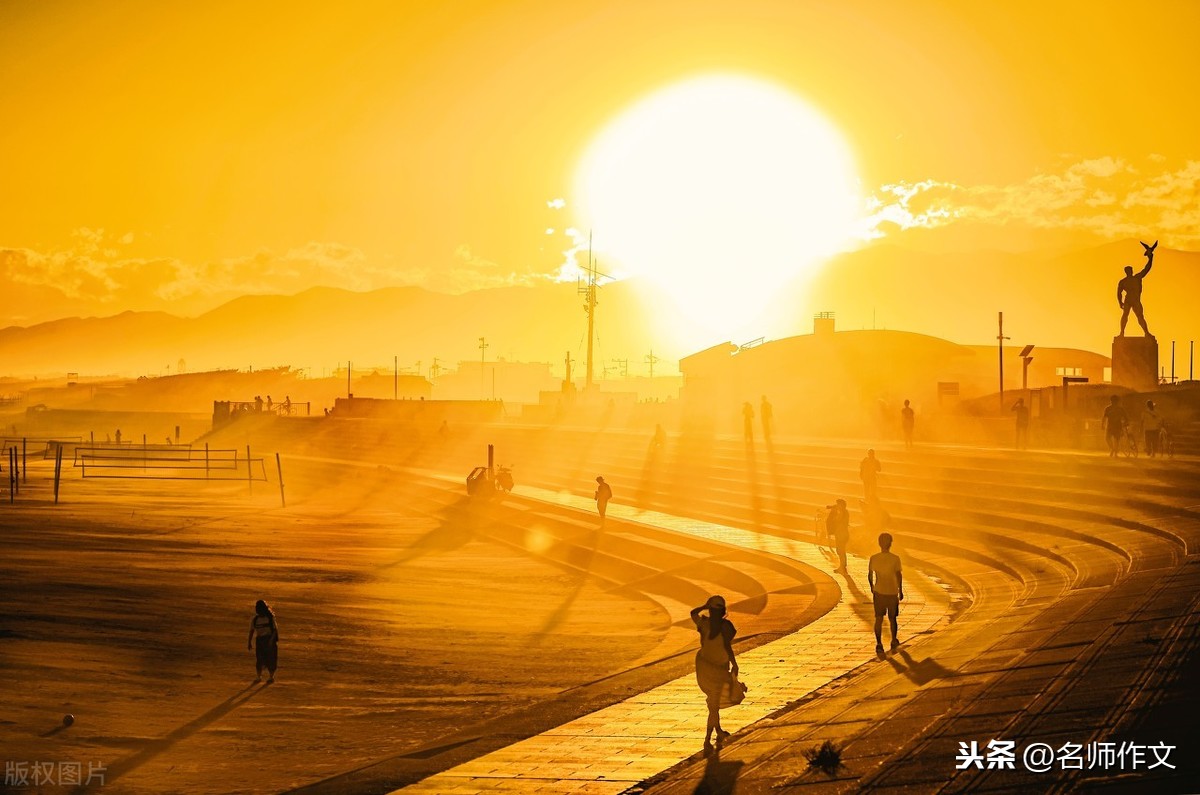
x=191 y=156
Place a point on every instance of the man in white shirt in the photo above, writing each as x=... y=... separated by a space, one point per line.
x=887 y=588
x=1151 y=425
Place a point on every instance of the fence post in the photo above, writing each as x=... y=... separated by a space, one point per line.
x=12 y=474
x=57 y=472
x=24 y=460
x=206 y=460
x=249 y=471
x=279 y=468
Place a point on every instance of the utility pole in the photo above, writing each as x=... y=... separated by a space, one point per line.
x=1172 y=361
x=482 y=353
x=395 y=378
x=651 y=360
x=567 y=380
x=349 y=394
x=435 y=368
x=1001 y=338
x=589 y=305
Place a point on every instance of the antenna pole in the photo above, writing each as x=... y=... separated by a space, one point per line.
x=482 y=352
x=1001 y=338
x=591 y=312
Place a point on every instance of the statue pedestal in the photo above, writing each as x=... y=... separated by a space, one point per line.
x=1135 y=363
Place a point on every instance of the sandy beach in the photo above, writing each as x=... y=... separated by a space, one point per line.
x=128 y=606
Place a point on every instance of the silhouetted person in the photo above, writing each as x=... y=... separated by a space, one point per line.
x=908 y=419
x=118 y=436
x=748 y=421
x=287 y=405
x=258 y=403
x=1114 y=424
x=1152 y=425
x=887 y=589
x=716 y=666
x=264 y=633
x=1022 y=413
x=868 y=471
x=268 y=402
x=1129 y=291
x=603 y=495
x=837 y=523
x=767 y=413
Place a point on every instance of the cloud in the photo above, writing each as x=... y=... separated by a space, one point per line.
x=94 y=275
x=1105 y=196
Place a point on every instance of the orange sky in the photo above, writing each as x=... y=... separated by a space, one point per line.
x=162 y=155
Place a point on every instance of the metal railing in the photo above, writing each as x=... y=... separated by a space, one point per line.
x=168 y=462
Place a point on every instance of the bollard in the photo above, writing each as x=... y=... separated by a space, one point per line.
x=279 y=468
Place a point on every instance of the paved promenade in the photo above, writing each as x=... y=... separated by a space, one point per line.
x=614 y=748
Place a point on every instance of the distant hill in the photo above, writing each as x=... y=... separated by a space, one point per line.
x=1062 y=301
x=323 y=327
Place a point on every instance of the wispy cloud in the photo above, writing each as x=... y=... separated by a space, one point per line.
x=1105 y=196
x=95 y=273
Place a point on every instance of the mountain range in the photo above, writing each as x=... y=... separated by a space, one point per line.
x=1066 y=300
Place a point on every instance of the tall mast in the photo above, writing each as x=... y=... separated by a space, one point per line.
x=589 y=306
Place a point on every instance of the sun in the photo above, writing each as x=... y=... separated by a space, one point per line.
x=720 y=189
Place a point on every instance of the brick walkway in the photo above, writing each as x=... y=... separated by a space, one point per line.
x=613 y=749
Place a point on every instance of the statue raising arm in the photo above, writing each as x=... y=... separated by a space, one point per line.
x=1149 y=259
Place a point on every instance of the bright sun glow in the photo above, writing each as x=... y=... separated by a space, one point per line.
x=720 y=189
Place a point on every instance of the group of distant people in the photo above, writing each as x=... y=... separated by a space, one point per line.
x=284 y=408
x=1118 y=427
x=766 y=413
x=1116 y=422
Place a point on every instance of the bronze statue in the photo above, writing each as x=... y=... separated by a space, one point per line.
x=1129 y=291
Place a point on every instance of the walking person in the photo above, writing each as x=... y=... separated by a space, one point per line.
x=887 y=589
x=907 y=420
x=767 y=413
x=1022 y=412
x=264 y=634
x=1152 y=425
x=1113 y=423
x=837 y=523
x=716 y=666
x=868 y=470
x=603 y=495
